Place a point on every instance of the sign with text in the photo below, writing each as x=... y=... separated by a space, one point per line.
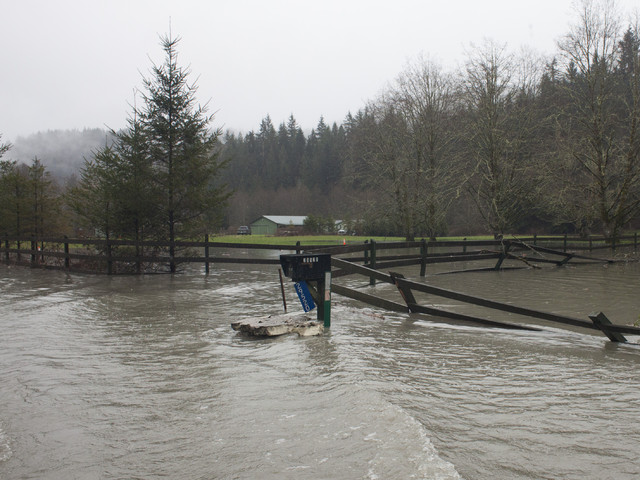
x=305 y=296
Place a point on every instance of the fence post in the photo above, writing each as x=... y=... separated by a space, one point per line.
x=109 y=260
x=172 y=256
x=535 y=239
x=139 y=253
x=372 y=263
x=66 y=253
x=423 y=257
x=613 y=244
x=464 y=245
x=298 y=249
x=590 y=243
x=206 y=253
x=366 y=252
x=33 y=252
x=565 y=243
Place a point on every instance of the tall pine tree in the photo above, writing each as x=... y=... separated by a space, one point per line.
x=182 y=149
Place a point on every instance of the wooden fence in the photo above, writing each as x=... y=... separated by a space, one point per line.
x=125 y=256
x=406 y=288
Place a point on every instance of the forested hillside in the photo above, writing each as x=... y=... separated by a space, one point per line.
x=63 y=151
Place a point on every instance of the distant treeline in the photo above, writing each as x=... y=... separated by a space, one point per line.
x=511 y=143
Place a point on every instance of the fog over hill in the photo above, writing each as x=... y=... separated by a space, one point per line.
x=61 y=151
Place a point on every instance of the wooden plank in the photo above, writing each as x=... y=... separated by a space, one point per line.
x=483 y=302
x=630 y=329
x=407 y=294
x=462 y=257
x=476 y=270
x=438 y=312
x=398 y=263
x=563 y=254
x=601 y=321
x=353 y=268
x=369 y=299
x=397 y=307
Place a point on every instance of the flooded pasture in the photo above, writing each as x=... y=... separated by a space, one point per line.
x=142 y=377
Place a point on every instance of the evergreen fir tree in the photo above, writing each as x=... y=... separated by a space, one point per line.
x=182 y=149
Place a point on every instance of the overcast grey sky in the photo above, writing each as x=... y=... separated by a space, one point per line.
x=75 y=63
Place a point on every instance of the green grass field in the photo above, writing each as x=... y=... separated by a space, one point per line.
x=303 y=239
x=319 y=239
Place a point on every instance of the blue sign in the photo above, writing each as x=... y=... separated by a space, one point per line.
x=305 y=296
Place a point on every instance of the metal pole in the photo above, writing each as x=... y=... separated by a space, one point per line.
x=284 y=299
x=324 y=305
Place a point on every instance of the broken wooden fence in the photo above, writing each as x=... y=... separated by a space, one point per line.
x=406 y=288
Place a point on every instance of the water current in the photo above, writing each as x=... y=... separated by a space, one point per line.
x=143 y=378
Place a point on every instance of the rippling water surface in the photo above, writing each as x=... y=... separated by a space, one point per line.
x=142 y=377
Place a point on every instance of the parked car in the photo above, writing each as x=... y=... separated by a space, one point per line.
x=342 y=231
x=244 y=230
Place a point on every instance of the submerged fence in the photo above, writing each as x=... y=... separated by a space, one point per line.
x=126 y=256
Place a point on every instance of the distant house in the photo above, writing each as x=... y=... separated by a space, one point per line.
x=274 y=224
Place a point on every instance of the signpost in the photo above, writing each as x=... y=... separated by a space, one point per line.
x=312 y=276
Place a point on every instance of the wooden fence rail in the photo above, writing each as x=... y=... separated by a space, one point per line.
x=116 y=256
x=407 y=287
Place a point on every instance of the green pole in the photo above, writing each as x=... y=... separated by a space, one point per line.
x=327 y=300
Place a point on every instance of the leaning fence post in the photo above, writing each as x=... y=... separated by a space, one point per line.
x=206 y=254
x=601 y=321
x=405 y=290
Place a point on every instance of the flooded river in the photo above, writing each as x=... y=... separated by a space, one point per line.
x=143 y=378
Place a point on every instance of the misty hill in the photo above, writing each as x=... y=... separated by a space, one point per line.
x=61 y=151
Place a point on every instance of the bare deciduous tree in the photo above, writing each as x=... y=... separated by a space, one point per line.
x=499 y=97
x=404 y=144
x=599 y=125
